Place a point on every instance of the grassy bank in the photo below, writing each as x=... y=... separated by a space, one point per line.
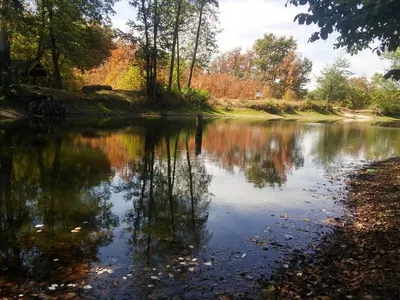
x=361 y=259
x=129 y=103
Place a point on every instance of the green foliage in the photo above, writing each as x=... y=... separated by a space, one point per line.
x=195 y=97
x=347 y=17
x=131 y=80
x=270 y=52
x=333 y=83
x=277 y=64
x=388 y=102
x=64 y=35
x=386 y=95
x=359 y=24
x=357 y=98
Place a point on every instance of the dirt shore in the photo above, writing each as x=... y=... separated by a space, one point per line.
x=361 y=259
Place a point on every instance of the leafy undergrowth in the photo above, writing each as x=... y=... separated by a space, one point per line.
x=361 y=259
x=274 y=106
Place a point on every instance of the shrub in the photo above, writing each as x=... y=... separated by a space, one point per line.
x=290 y=95
x=195 y=97
x=387 y=101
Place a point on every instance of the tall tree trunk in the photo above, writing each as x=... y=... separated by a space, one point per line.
x=155 y=50
x=147 y=46
x=5 y=59
x=196 y=45
x=178 y=61
x=176 y=29
x=55 y=54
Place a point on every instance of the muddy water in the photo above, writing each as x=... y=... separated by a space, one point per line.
x=141 y=209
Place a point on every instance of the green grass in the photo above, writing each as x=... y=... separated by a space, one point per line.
x=130 y=103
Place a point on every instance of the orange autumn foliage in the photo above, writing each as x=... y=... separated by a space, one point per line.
x=221 y=85
x=121 y=59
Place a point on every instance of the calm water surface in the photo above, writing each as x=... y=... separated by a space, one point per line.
x=162 y=209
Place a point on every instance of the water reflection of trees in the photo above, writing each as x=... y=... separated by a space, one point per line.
x=333 y=141
x=265 y=151
x=45 y=180
x=168 y=188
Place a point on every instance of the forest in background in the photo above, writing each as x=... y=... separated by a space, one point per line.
x=171 y=55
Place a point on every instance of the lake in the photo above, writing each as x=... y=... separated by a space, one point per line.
x=167 y=209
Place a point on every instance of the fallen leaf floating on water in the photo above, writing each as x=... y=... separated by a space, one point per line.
x=285 y=216
x=87 y=287
x=209 y=263
x=39 y=226
x=306 y=220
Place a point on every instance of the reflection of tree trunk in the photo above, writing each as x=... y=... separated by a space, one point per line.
x=11 y=214
x=190 y=182
x=170 y=187
x=175 y=153
x=54 y=179
x=199 y=134
x=151 y=201
x=6 y=161
x=140 y=209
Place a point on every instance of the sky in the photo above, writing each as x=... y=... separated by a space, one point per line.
x=244 y=21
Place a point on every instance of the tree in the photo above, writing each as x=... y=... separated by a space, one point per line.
x=234 y=62
x=293 y=74
x=394 y=70
x=9 y=11
x=333 y=82
x=386 y=94
x=202 y=6
x=270 y=52
x=359 y=23
x=174 y=43
x=73 y=32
